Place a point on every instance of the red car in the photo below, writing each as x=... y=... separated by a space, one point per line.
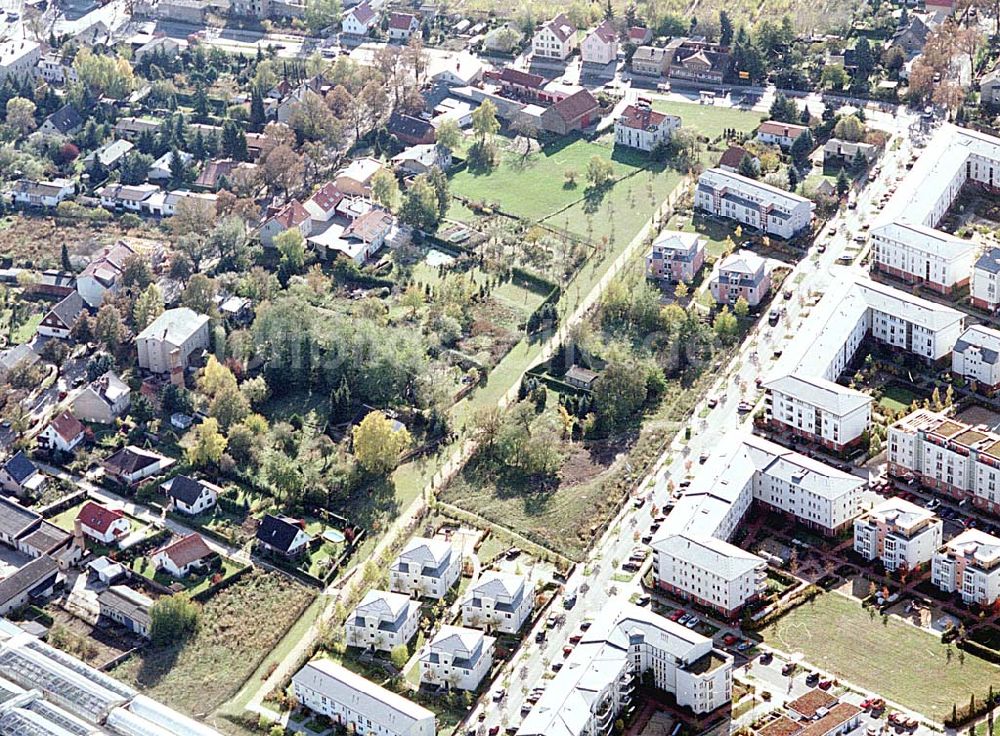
x=866 y=704
x=575 y=639
x=825 y=684
x=676 y=614
x=729 y=640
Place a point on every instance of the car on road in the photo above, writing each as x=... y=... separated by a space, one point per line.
x=773 y=317
x=729 y=640
x=643 y=600
x=744 y=407
x=703 y=458
x=812 y=678
x=499 y=694
x=845 y=260
x=713 y=402
x=821 y=248
x=639 y=501
x=584 y=625
x=788 y=668
x=575 y=639
x=556 y=666
x=540 y=636
x=766 y=658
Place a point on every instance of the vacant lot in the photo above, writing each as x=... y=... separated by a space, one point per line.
x=894 y=659
x=710 y=120
x=238 y=628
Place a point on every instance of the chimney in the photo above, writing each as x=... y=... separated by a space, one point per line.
x=78 y=539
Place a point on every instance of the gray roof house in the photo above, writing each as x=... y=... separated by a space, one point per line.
x=498 y=602
x=425 y=567
x=382 y=621
x=166 y=345
x=976 y=356
x=128 y=607
x=457 y=658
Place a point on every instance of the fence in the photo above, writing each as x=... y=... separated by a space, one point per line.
x=66 y=502
x=203 y=595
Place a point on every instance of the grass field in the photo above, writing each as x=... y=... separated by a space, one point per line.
x=894 y=659
x=897 y=398
x=710 y=120
x=237 y=629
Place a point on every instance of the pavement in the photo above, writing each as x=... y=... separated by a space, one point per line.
x=597 y=579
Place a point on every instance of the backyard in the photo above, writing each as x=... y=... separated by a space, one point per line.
x=710 y=120
x=901 y=662
x=897 y=398
x=237 y=629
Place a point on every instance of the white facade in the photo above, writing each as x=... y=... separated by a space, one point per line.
x=984 y=289
x=353 y=702
x=497 y=602
x=779 y=134
x=18 y=59
x=818 y=409
x=600 y=45
x=598 y=680
x=708 y=570
x=167 y=343
x=457 y=658
x=976 y=356
x=899 y=533
x=554 y=40
x=753 y=203
x=969 y=565
x=382 y=621
x=425 y=567
x=639 y=126
x=919 y=254
x=359 y=20
x=916 y=325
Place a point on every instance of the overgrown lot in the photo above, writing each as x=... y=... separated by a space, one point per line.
x=238 y=627
x=901 y=662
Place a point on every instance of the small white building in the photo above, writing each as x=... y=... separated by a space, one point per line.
x=600 y=46
x=59 y=321
x=976 y=357
x=191 y=496
x=107 y=526
x=753 y=203
x=969 y=565
x=818 y=410
x=102 y=400
x=160 y=169
x=103 y=274
x=555 y=39
x=402 y=26
x=18 y=59
x=167 y=343
x=899 y=533
x=457 y=658
x=497 y=602
x=382 y=621
x=780 y=134
x=984 y=290
x=425 y=568
x=354 y=703
x=640 y=126
x=184 y=555
x=64 y=433
x=359 y=20
x=35 y=193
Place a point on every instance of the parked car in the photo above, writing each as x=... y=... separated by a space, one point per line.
x=729 y=640
x=692 y=622
x=812 y=678
x=499 y=695
x=788 y=668
x=766 y=658
x=677 y=614
x=643 y=600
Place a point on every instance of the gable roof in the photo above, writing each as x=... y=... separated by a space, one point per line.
x=732 y=156
x=291 y=215
x=278 y=531
x=369 y=226
x=97 y=517
x=820 y=392
x=576 y=105
x=67 y=426
x=325 y=199
x=409 y=125
x=186 y=489
x=985 y=339
x=521 y=78
x=782 y=130
x=362 y=13
x=20 y=468
x=186 y=550
x=65 y=119
x=642 y=117
x=561 y=27
x=402 y=21
x=605 y=32
x=68 y=310
x=27 y=577
x=131 y=459
x=15 y=519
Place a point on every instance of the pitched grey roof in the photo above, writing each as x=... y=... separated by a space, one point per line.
x=989 y=261
x=20 y=468
x=985 y=339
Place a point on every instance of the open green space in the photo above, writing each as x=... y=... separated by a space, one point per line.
x=237 y=629
x=897 y=398
x=710 y=120
x=193 y=584
x=897 y=660
x=513 y=295
x=715 y=232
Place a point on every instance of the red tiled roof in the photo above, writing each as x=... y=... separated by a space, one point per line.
x=576 y=105
x=641 y=118
x=789 y=130
x=523 y=79
x=401 y=21
x=291 y=215
x=363 y=13
x=327 y=197
x=635 y=33
x=561 y=27
x=67 y=426
x=367 y=227
x=186 y=550
x=606 y=32
x=97 y=517
x=732 y=157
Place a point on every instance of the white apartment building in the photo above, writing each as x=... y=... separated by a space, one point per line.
x=425 y=568
x=18 y=59
x=916 y=325
x=819 y=410
x=497 y=602
x=598 y=680
x=351 y=701
x=555 y=39
x=709 y=571
x=976 y=357
x=753 y=203
x=969 y=565
x=984 y=290
x=948 y=456
x=457 y=658
x=382 y=621
x=640 y=126
x=918 y=254
x=899 y=533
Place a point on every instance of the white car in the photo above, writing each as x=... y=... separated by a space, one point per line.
x=692 y=622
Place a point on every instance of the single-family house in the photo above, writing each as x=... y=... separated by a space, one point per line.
x=600 y=45
x=425 y=567
x=15 y=356
x=640 y=126
x=131 y=464
x=169 y=341
x=359 y=20
x=576 y=112
x=402 y=26
x=110 y=154
x=639 y=36
x=410 y=129
x=191 y=496
x=776 y=133
x=31 y=582
x=322 y=205
x=497 y=602
x=107 y=526
x=103 y=400
x=422 y=158
x=126 y=606
x=103 y=273
x=127 y=197
x=359 y=240
x=912 y=37
x=160 y=171
x=184 y=555
x=39 y=193
x=59 y=321
x=20 y=476
x=356 y=178
x=382 y=621
x=282 y=535
x=650 y=61
x=292 y=215
x=847 y=153
x=989 y=87
x=696 y=62
x=63 y=433
x=457 y=658
x=65 y=121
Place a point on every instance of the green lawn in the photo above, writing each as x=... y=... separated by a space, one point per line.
x=710 y=120
x=535 y=187
x=26 y=331
x=515 y=296
x=897 y=398
x=715 y=232
x=897 y=660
